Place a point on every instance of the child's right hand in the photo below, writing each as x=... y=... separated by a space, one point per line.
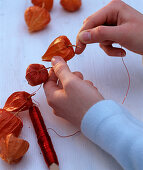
x=115 y=23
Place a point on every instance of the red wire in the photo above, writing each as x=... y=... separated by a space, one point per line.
x=67 y=136
x=128 y=83
x=43 y=137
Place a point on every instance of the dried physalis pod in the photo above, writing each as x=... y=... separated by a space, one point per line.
x=9 y=123
x=36 y=74
x=36 y=18
x=61 y=46
x=18 y=101
x=71 y=5
x=12 y=149
x=47 y=4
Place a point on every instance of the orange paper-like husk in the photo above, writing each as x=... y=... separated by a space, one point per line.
x=71 y=5
x=9 y=123
x=18 y=101
x=61 y=46
x=12 y=149
x=36 y=74
x=48 y=4
x=36 y=18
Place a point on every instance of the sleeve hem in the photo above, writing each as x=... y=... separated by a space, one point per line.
x=98 y=114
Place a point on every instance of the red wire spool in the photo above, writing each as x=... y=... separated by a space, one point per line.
x=43 y=137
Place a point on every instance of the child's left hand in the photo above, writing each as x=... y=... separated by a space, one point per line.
x=72 y=96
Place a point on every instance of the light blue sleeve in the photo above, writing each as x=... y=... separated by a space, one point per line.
x=113 y=129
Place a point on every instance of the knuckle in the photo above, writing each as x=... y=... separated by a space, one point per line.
x=50 y=102
x=69 y=84
x=89 y=82
x=55 y=112
x=59 y=67
x=87 y=19
x=100 y=30
x=116 y=1
x=79 y=74
x=117 y=4
x=106 y=50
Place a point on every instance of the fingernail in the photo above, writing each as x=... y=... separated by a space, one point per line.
x=85 y=36
x=55 y=60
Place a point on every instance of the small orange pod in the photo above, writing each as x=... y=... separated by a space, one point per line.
x=12 y=148
x=36 y=18
x=71 y=5
x=36 y=74
x=62 y=47
x=18 y=101
x=47 y=4
x=9 y=123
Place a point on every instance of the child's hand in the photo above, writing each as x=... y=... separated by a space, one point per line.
x=72 y=96
x=115 y=23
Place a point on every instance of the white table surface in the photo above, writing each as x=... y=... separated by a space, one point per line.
x=19 y=48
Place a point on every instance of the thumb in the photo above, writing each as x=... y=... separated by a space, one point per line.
x=61 y=69
x=100 y=34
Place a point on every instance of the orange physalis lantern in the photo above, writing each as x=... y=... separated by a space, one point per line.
x=12 y=149
x=61 y=46
x=71 y=5
x=36 y=18
x=47 y=4
x=36 y=74
x=9 y=123
x=18 y=101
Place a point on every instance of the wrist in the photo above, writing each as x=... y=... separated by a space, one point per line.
x=88 y=109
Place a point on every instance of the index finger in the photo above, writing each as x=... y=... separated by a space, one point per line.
x=51 y=85
x=107 y=15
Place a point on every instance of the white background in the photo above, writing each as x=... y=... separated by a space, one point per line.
x=19 y=48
